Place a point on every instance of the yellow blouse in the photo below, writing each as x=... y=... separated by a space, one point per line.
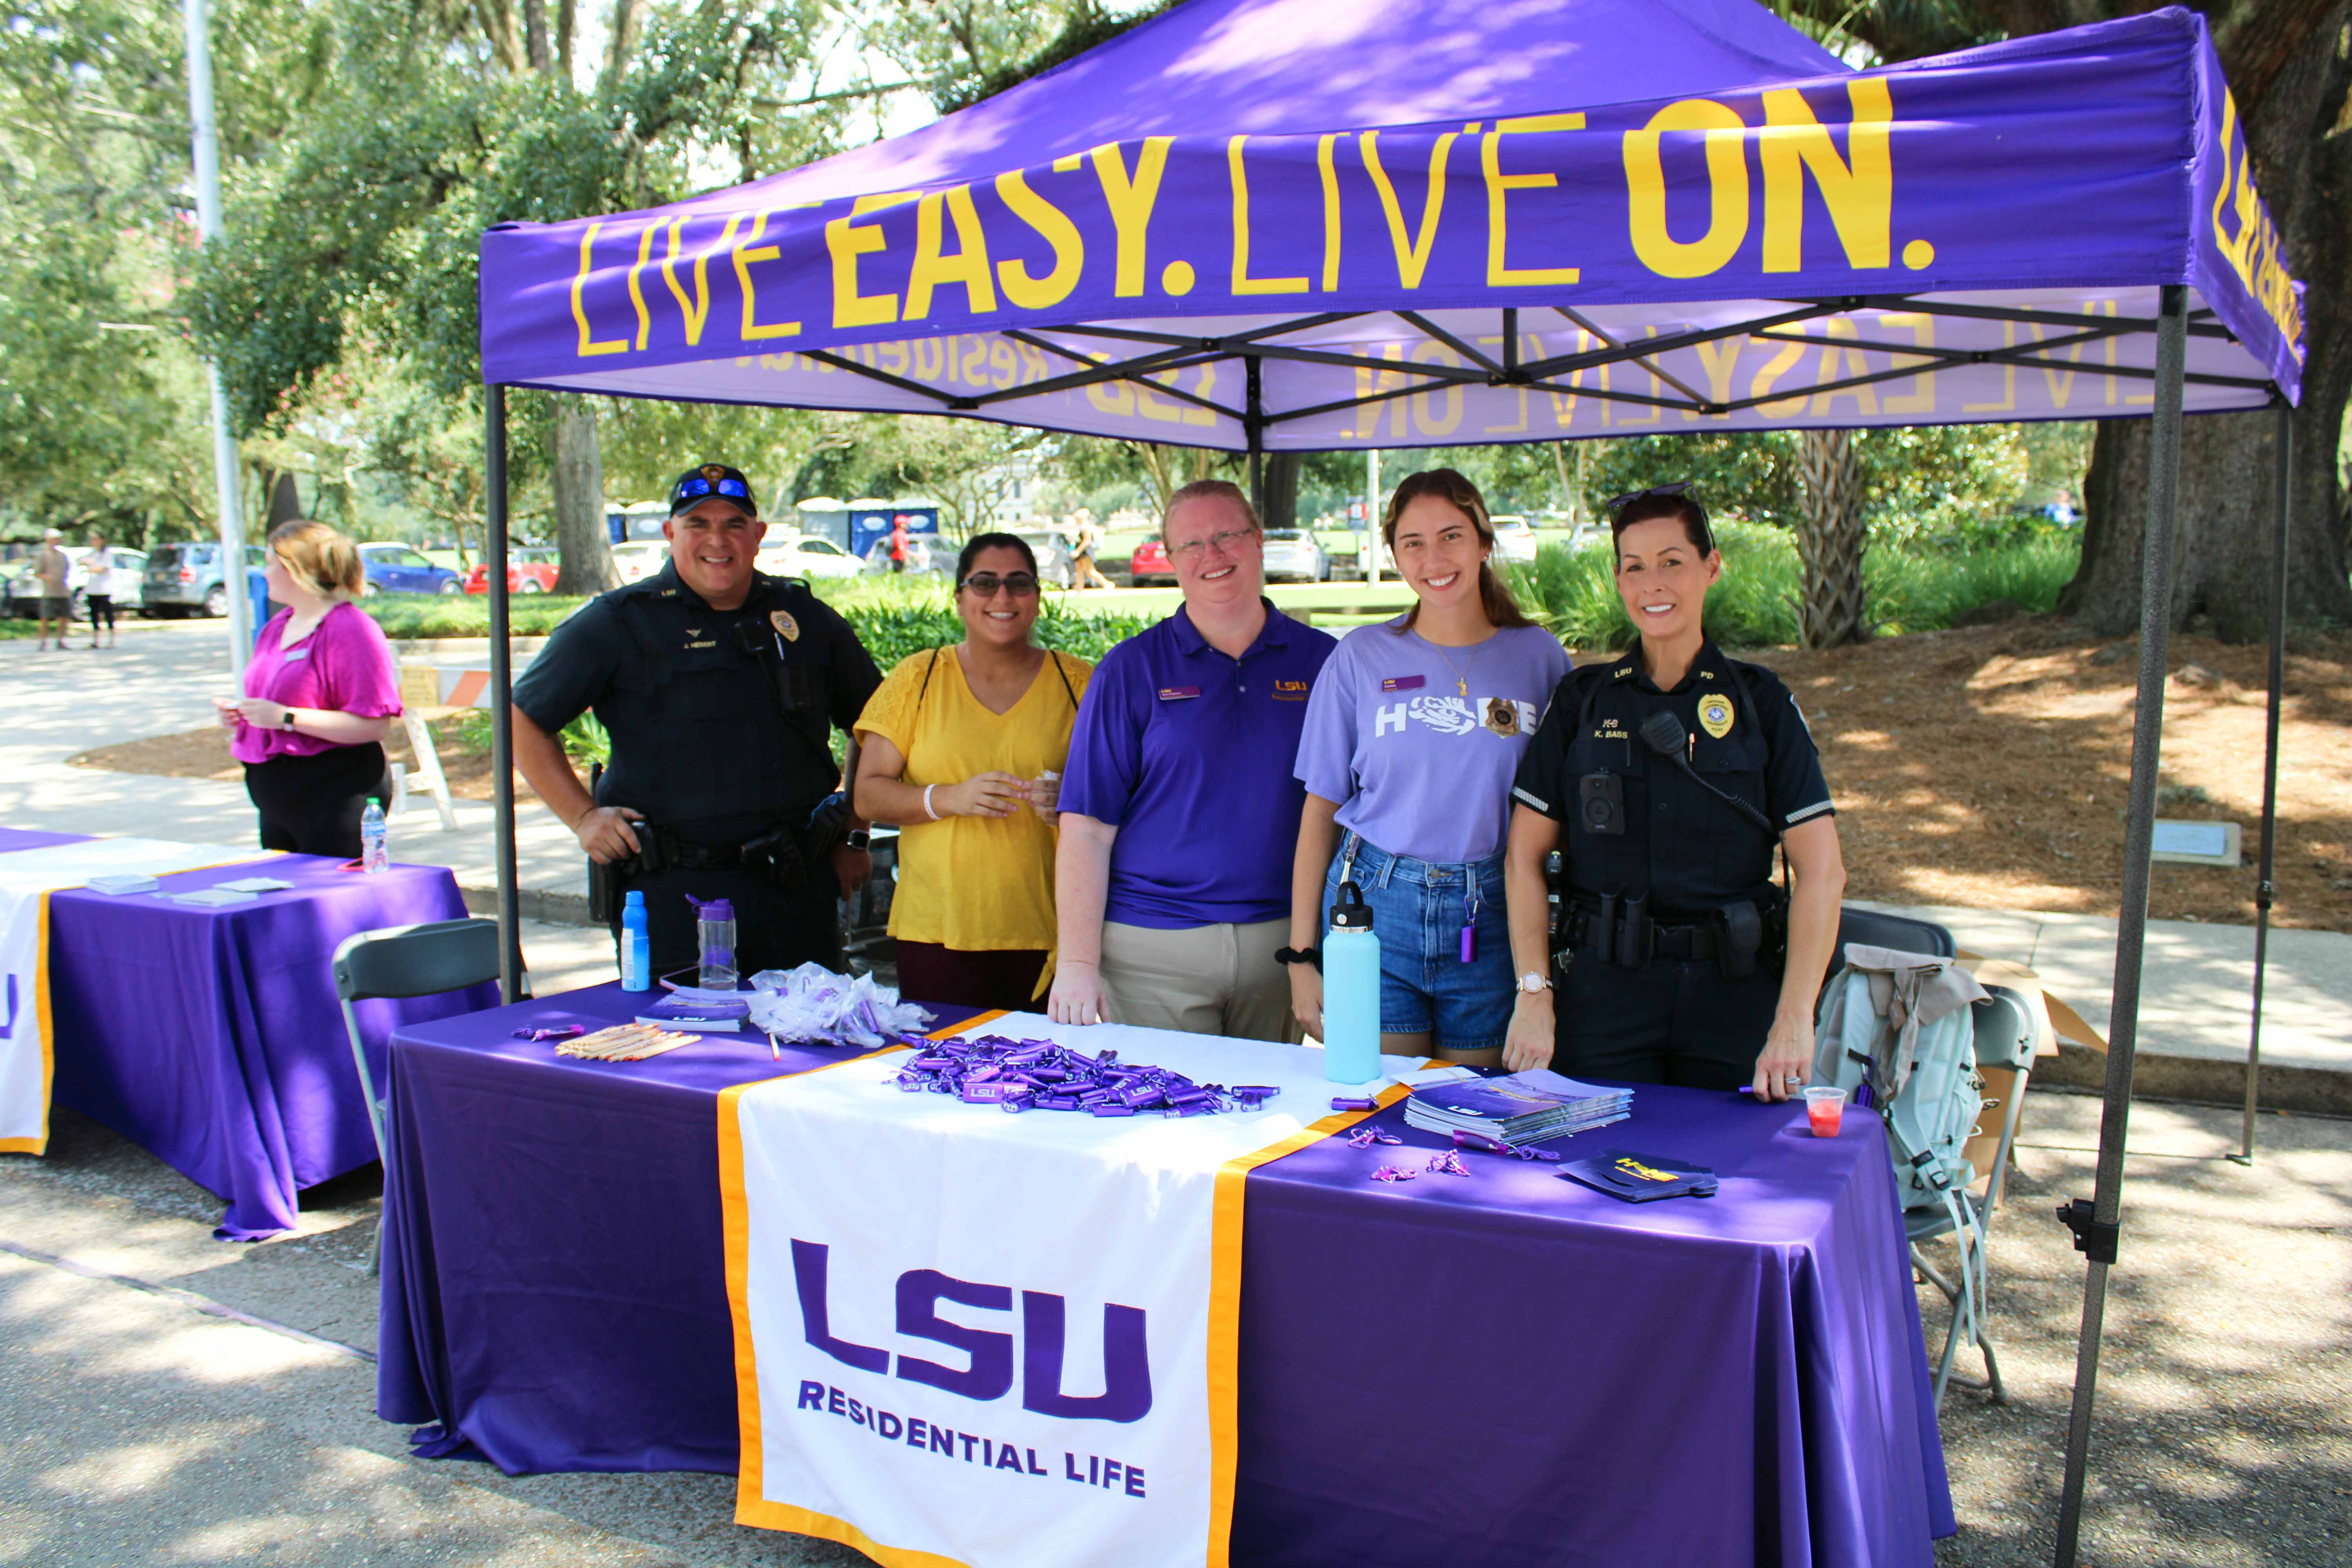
x=975 y=883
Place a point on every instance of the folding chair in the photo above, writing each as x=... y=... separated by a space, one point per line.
x=407 y=960
x=1873 y=928
x=2006 y=1030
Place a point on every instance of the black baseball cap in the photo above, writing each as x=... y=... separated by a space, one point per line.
x=699 y=484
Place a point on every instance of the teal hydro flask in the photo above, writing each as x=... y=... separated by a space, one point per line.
x=1351 y=992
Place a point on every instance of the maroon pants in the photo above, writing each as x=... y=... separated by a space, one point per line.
x=929 y=972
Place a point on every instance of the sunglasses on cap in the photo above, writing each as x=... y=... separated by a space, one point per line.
x=986 y=583
x=688 y=490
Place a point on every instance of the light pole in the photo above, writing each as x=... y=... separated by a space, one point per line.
x=208 y=227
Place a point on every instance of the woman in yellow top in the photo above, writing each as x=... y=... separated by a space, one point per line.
x=962 y=747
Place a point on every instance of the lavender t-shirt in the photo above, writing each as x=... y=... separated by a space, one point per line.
x=1419 y=765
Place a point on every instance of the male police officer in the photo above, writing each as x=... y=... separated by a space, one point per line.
x=720 y=687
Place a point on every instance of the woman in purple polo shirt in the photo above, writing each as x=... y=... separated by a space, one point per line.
x=320 y=695
x=1412 y=733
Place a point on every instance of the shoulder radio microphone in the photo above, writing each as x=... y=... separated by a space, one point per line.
x=1663 y=733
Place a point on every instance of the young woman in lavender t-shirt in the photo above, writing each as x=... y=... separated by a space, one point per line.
x=1413 y=731
x=320 y=693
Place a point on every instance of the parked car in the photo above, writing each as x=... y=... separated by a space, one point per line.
x=186 y=580
x=1295 y=555
x=800 y=555
x=1149 y=565
x=926 y=553
x=395 y=568
x=640 y=558
x=1056 y=566
x=1515 y=537
x=531 y=570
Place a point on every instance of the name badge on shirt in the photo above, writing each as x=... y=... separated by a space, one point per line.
x=1403 y=683
x=1177 y=693
x=291 y=654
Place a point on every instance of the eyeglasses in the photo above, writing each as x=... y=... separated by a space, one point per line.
x=698 y=486
x=986 y=583
x=1225 y=540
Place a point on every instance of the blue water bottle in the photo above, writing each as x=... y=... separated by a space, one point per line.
x=636 y=944
x=1351 y=992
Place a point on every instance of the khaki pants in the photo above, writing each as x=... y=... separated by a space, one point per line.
x=1202 y=980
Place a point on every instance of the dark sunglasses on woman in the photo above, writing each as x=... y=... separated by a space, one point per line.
x=986 y=583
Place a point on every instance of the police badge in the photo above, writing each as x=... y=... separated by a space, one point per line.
x=1502 y=716
x=790 y=630
x=1714 y=714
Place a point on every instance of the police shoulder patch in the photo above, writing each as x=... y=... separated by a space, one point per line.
x=1714 y=714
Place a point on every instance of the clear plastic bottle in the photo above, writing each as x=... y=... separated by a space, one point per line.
x=714 y=939
x=375 y=857
x=636 y=944
x=1351 y=992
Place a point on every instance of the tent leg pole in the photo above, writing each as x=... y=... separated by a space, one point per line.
x=1253 y=423
x=2281 y=522
x=2095 y=1233
x=494 y=446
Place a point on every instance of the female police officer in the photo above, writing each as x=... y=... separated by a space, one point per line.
x=1674 y=771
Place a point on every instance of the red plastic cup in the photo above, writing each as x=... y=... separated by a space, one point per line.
x=1825 y=1108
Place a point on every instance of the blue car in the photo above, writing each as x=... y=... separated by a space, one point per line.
x=398 y=569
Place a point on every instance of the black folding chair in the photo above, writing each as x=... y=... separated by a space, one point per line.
x=1873 y=928
x=407 y=960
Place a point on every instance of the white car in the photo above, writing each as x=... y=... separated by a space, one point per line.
x=802 y=556
x=1515 y=537
x=640 y=558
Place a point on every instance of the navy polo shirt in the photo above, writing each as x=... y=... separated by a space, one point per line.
x=1188 y=753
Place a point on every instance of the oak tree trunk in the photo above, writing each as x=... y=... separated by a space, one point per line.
x=2295 y=101
x=583 y=542
x=1282 y=472
x=1830 y=540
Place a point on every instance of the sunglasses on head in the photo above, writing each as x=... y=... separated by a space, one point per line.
x=698 y=486
x=1667 y=492
x=986 y=583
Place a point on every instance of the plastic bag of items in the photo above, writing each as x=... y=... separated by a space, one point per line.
x=814 y=1006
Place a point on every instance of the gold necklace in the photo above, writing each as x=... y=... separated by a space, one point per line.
x=1460 y=671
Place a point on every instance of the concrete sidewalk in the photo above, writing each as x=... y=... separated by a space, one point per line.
x=2193 y=1015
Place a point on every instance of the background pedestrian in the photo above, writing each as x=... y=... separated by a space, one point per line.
x=98 y=570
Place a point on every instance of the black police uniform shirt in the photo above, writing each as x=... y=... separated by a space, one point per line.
x=706 y=741
x=1690 y=851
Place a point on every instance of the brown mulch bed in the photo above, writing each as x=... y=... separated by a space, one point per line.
x=204 y=754
x=1983 y=767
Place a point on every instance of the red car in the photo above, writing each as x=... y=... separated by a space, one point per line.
x=527 y=572
x=1149 y=565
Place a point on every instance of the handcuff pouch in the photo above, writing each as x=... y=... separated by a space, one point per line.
x=1602 y=935
x=776 y=854
x=1742 y=939
x=1633 y=936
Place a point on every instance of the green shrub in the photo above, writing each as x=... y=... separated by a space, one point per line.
x=1755 y=604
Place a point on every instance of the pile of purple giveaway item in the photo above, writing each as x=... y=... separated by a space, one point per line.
x=1040 y=1074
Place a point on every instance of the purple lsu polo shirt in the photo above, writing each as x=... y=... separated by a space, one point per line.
x=1188 y=753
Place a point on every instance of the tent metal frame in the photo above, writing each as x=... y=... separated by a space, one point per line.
x=2096 y=1221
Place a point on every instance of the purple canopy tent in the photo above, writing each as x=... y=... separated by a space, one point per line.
x=1279 y=225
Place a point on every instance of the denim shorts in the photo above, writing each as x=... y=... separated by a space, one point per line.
x=1418 y=913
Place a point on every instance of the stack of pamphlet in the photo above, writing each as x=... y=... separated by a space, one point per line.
x=1639 y=1178
x=1524 y=1108
x=689 y=1007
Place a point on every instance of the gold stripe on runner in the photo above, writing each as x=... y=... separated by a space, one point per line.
x=1224 y=1310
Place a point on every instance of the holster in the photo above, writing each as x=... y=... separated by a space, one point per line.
x=1634 y=935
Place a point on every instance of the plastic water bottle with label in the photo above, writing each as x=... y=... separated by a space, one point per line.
x=375 y=857
x=636 y=944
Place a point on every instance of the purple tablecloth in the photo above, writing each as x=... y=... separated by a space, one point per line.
x=1508 y=1368
x=212 y=1037
x=36 y=839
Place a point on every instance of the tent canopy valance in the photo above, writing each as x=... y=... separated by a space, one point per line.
x=1975 y=238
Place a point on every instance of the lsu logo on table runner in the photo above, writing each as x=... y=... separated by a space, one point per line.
x=995 y=1342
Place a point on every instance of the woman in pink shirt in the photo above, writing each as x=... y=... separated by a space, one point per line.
x=320 y=694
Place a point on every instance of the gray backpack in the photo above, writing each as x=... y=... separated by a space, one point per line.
x=1898 y=1035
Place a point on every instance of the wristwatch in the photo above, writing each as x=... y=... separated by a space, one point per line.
x=288 y=724
x=1531 y=982
x=856 y=838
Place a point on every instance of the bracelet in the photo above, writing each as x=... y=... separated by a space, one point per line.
x=1313 y=955
x=927 y=802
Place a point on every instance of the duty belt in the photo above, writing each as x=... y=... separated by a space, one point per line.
x=1582 y=928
